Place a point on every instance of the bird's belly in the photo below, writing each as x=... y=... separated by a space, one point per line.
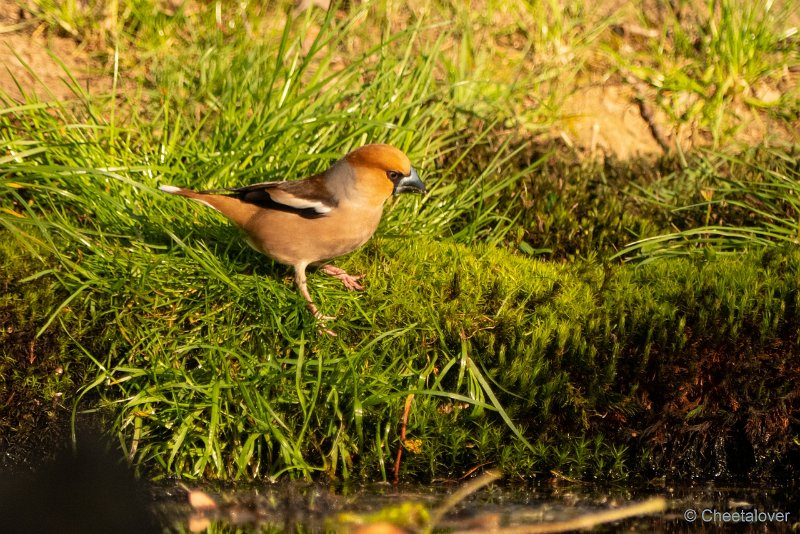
x=290 y=239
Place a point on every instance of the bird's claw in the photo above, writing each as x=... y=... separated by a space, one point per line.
x=327 y=331
x=318 y=314
x=349 y=281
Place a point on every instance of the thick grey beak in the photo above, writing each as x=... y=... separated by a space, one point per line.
x=410 y=184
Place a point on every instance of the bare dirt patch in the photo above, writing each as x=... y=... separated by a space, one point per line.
x=27 y=52
x=606 y=120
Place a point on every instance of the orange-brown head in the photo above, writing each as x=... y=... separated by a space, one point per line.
x=384 y=170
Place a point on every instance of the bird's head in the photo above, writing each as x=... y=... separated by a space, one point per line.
x=384 y=170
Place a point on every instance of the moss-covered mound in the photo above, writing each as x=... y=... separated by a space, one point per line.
x=675 y=366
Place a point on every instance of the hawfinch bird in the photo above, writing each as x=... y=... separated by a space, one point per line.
x=306 y=222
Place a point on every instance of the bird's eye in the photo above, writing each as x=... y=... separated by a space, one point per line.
x=394 y=176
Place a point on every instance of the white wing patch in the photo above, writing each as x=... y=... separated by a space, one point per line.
x=300 y=203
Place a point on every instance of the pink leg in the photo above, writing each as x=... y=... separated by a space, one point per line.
x=349 y=281
x=300 y=280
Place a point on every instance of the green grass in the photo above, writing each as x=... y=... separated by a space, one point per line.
x=728 y=205
x=81 y=180
x=713 y=64
x=496 y=299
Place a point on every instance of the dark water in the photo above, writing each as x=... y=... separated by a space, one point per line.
x=298 y=507
x=92 y=490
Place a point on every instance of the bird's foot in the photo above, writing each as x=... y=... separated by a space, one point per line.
x=349 y=281
x=321 y=328
x=320 y=318
x=318 y=314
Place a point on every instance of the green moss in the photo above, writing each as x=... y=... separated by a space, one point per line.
x=593 y=366
x=36 y=372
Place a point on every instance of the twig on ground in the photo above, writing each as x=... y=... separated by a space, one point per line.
x=406 y=411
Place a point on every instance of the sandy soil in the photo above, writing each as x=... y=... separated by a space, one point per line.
x=26 y=56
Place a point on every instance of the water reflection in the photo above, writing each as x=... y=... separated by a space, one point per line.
x=501 y=507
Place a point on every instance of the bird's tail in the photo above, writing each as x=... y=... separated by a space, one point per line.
x=201 y=197
x=176 y=190
x=228 y=206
